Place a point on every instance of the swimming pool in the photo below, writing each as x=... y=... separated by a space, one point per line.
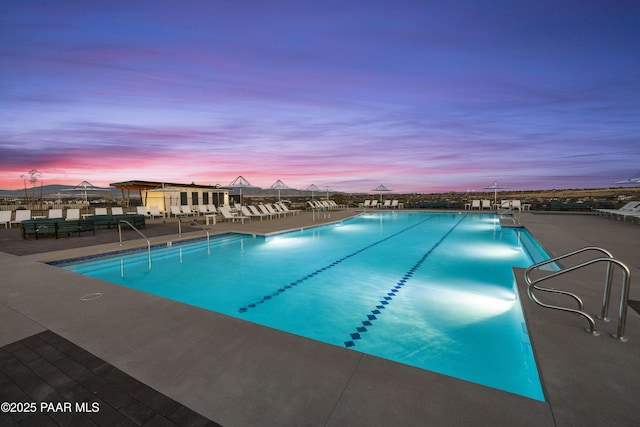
x=431 y=290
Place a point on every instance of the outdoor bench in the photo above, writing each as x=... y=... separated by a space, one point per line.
x=112 y=220
x=57 y=227
x=74 y=226
x=54 y=227
x=38 y=227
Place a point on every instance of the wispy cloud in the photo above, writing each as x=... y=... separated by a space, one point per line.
x=420 y=96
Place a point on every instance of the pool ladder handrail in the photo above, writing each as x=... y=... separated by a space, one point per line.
x=194 y=222
x=611 y=261
x=122 y=221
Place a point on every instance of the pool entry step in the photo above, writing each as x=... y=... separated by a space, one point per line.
x=610 y=263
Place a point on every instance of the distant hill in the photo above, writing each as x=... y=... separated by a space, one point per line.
x=56 y=190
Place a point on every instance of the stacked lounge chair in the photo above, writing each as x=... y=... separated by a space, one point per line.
x=629 y=207
x=633 y=212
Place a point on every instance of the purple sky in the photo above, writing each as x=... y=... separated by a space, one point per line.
x=421 y=96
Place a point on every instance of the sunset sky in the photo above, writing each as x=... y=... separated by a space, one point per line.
x=421 y=96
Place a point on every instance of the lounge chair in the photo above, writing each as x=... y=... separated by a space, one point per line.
x=100 y=211
x=262 y=209
x=202 y=209
x=268 y=209
x=276 y=209
x=328 y=205
x=186 y=210
x=257 y=212
x=73 y=214
x=394 y=204
x=154 y=212
x=315 y=205
x=287 y=210
x=175 y=211
x=626 y=208
x=631 y=213
x=226 y=214
x=5 y=218
x=374 y=203
x=249 y=213
x=387 y=204
x=486 y=204
x=475 y=204
x=141 y=210
x=504 y=207
x=117 y=211
x=516 y=204
x=21 y=215
x=55 y=213
x=367 y=204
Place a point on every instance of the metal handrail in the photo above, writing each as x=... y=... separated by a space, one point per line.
x=122 y=221
x=196 y=223
x=622 y=314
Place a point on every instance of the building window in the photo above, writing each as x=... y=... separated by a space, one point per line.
x=194 y=198
x=183 y=198
x=205 y=198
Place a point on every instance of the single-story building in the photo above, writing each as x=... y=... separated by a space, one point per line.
x=167 y=194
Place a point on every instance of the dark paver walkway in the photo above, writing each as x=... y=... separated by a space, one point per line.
x=50 y=381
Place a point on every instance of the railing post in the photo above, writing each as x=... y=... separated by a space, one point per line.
x=122 y=221
x=193 y=221
x=607 y=293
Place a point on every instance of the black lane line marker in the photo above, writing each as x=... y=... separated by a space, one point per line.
x=356 y=335
x=265 y=298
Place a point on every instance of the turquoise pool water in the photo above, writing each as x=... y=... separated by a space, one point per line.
x=431 y=290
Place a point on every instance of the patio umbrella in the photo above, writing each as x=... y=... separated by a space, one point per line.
x=84 y=187
x=313 y=189
x=240 y=182
x=327 y=189
x=381 y=188
x=495 y=187
x=279 y=185
x=169 y=197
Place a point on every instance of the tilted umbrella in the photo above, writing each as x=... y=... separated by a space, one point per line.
x=381 y=188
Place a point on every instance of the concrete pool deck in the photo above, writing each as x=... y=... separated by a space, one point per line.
x=241 y=374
